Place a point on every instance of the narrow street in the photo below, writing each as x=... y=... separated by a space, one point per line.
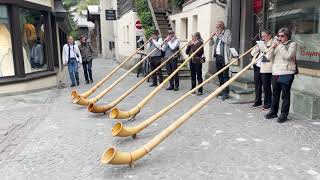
x=44 y=136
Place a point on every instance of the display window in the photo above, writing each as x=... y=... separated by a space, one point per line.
x=32 y=24
x=6 y=56
x=302 y=17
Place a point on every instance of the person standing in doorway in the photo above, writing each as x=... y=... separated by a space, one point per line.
x=263 y=73
x=221 y=41
x=71 y=56
x=87 y=54
x=155 y=57
x=196 y=61
x=170 y=47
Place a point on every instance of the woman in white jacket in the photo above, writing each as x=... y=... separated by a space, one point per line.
x=71 y=56
x=283 y=69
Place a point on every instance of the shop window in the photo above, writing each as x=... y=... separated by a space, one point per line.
x=32 y=24
x=6 y=57
x=302 y=17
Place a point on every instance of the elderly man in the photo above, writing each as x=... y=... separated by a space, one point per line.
x=155 y=57
x=71 y=56
x=221 y=42
x=171 y=46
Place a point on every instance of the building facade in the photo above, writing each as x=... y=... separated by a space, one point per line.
x=32 y=34
x=302 y=17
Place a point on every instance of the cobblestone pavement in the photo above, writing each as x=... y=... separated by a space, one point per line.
x=44 y=136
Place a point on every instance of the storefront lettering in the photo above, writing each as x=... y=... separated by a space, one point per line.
x=303 y=52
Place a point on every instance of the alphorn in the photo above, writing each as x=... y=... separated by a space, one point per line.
x=122 y=131
x=112 y=156
x=104 y=108
x=86 y=102
x=117 y=114
x=86 y=94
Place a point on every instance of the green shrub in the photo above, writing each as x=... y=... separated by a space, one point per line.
x=145 y=16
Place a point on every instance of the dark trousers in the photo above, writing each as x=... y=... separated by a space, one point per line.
x=262 y=80
x=172 y=66
x=196 y=73
x=154 y=63
x=278 y=88
x=73 y=70
x=87 y=65
x=223 y=77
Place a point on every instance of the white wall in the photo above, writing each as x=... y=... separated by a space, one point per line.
x=127 y=33
x=202 y=17
x=107 y=28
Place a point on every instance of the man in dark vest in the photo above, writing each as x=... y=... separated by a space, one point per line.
x=87 y=54
x=155 y=57
x=221 y=42
x=171 y=46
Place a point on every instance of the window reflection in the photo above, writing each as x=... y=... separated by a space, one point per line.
x=33 y=40
x=6 y=58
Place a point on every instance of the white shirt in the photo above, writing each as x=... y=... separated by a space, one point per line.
x=72 y=53
x=173 y=44
x=218 y=51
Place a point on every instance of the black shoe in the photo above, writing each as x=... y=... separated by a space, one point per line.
x=176 y=89
x=265 y=107
x=72 y=85
x=78 y=83
x=169 y=88
x=152 y=85
x=256 y=105
x=282 y=118
x=199 y=93
x=91 y=80
x=270 y=115
x=225 y=96
x=87 y=82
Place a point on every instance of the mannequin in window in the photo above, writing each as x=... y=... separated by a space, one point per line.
x=6 y=59
x=37 y=54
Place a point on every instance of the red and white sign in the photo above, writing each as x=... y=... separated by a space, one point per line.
x=138 y=25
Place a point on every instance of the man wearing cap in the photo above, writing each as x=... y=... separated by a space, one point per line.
x=170 y=46
x=87 y=54
x=155 y=57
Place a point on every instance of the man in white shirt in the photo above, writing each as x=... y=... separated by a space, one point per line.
x=221 y=42
x=155 y=57
x=71 y=56
x=171 y=46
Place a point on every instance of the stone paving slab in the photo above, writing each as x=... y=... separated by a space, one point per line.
x=221 y=141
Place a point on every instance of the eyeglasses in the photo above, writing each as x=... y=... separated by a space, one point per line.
x=281 y=35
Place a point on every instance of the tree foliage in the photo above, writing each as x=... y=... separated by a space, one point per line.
x=145 y=16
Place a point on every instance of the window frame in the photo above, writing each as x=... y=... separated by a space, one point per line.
x=16 y=39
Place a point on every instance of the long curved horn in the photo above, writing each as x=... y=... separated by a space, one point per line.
x=86 y=102
x=122 y=131
x=86 y=94
x=103 y=108
x=117 y=114
x=112 y=156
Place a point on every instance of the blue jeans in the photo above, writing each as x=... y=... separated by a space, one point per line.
x=73 y=70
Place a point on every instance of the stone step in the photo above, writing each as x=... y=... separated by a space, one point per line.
x=243 y=85
x=242 y=94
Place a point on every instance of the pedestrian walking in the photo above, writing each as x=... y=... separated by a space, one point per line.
x=263 y=73
x=87 y=54
x=71 y=56
x=155 y=57
x=221 y=42
x=170 y=47
x=283 y=69
x=196 y=61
